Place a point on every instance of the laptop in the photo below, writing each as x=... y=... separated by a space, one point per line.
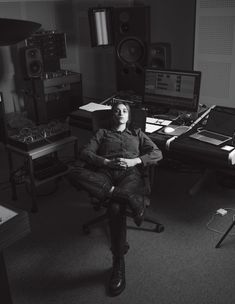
x=219 y=127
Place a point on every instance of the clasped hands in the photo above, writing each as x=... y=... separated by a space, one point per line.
x=122 y=163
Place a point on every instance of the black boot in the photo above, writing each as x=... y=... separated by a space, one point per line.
x=135 y=202
x=117 y=281
x=126 y=248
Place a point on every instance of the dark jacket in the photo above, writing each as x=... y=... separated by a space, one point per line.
x=109 y=143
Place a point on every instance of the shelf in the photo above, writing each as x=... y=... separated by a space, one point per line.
x=48 y=179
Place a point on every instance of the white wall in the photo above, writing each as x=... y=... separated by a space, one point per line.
x=215 y=51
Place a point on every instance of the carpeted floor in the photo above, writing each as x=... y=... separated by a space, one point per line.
x=56 y=263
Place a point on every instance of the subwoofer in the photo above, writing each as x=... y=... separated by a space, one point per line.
x=132 y=35
x=159 y=55
x=33 y=62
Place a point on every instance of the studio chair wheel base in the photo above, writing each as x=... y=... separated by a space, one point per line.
x=149 y=219
x=159 y=228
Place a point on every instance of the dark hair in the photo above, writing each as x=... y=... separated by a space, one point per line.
x=114 y=108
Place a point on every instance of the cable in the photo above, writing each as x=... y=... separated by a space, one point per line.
x=212 y=219
x=5 y=182
x=56 y=187
x=5 y=202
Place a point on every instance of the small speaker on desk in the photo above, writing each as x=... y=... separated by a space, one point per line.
x=33 y=62
x=159 y=55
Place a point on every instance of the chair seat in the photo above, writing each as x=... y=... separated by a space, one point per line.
x=98 y=205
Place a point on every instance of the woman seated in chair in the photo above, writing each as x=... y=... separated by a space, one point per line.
x=116 y=155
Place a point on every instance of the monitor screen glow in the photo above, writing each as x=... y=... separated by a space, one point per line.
x=173 y=89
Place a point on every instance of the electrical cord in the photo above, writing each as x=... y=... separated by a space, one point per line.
x=5 y=202
x=212 y=219
x=56 y=187
x=7 y=185
x=18 y=175
x=4 y=182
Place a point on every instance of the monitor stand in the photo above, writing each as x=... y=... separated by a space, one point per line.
x=178 y=116
x=162 y=112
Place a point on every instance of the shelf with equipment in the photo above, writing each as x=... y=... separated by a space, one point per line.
x=31 y=156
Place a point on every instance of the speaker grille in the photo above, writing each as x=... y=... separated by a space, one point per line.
x=160 y=55
x=33 y=60
x=216 y=35
x=131 y=50
x=132 y=36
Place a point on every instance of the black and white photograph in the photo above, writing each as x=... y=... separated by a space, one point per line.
x=117 y=151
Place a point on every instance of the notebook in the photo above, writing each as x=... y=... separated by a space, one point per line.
x=219 y=127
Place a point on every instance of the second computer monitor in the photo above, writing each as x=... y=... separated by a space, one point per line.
x=172 y=89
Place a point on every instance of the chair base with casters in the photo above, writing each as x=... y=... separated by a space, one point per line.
x=104 y=217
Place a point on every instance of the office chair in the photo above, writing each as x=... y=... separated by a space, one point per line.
x=100 y=119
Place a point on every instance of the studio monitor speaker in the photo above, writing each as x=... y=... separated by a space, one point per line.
x=33 y=62
x=159 y=55
x=132 y=35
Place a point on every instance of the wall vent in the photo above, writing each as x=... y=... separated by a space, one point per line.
x=217 y=3
x=215 y=79
x=215 y=35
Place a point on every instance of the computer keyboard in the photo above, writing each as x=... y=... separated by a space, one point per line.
x=166 y=117
x=158 y=121
x=212 y=135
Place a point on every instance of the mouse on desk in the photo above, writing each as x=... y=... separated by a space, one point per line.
x=168 y=130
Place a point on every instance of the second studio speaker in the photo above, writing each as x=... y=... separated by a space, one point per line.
x=132 y=36
x=33 y=62
x=159 y=55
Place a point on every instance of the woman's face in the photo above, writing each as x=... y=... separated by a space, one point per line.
x=121 y=114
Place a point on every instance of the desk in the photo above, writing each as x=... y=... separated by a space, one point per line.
x=34 y=154
x=193 y=150
x=11 y=230
x=209 y=157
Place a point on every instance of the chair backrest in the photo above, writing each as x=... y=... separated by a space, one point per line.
x=101 y=119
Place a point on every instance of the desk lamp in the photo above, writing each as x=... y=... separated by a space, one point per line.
x=11 y=32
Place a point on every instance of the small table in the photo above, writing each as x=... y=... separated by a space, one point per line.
x=14 y=225
x=34 y=154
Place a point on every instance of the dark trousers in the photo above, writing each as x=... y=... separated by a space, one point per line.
x=98 y=183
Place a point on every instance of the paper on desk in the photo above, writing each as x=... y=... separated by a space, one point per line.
x=227 y=148
x=6 y=214
x=157 y=121
x=93 y=106
x=150 y=128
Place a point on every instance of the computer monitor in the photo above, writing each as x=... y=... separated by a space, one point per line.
x=172 y=89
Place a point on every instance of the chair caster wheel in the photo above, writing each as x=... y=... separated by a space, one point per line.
x=86 y=229
x=159 y=228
